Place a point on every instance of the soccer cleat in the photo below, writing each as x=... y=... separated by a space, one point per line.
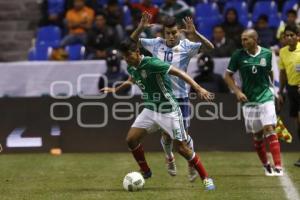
x=192 y=173
x=297 y=164
x=268 y=170
x=171 y=166
x=146 y=174
x=282 y=133
x=278 y=171
x=209 y=184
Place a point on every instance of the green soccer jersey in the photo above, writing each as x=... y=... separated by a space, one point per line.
x=151 y=75
x=255 y=74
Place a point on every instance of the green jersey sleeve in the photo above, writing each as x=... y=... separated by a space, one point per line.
x=158 y=66
x=234 y=62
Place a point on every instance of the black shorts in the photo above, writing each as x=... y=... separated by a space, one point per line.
x=294 y=99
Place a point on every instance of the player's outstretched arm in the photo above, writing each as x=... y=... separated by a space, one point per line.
x=195 y=35
x=121 y=87
x=144 y=23
x=231 y=84
x=204 y=94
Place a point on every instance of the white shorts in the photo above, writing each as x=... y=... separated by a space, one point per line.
x=258 y=116
x=171 y=123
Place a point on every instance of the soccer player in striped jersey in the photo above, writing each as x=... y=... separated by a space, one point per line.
x=178 y=52
x=254 y=64
x=161 y=108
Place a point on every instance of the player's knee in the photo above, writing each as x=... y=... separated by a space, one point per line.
x=183 y=149
x=268 y=128
x=130 y=142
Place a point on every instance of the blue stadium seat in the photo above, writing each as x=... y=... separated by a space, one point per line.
x=268 y=8
x=102 y=2
x=288 y=5
x=274 y=21
x=242 y=9
x=56 y=6
x=49 y=35
x=205 y=26
x=206 y=10
x=127 y=19
x=207 y=15
x=136 y=1
x=158 y=2
x=31 y=55
x=75 y=52
x=39 y=53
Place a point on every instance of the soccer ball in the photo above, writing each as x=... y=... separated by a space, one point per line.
x=133 y=181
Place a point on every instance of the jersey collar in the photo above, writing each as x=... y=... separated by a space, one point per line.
x=258 y=52
x=165 y=42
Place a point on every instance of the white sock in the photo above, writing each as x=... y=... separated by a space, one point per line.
x=167 y=146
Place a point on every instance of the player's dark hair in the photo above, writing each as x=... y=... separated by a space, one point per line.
x=292 y=28
x=169 y=22
x=128 y=45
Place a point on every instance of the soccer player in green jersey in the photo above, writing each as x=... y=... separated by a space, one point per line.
x=177 y=51
x=161 y=108
x=254 y=64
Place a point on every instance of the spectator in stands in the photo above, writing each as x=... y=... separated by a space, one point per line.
x=291 y=17
x=266 y=34
x=174 y=8
x=144 y=6
x=282 y=43
x=114 y=74
x=210 y=80
x=79 y=19
x=251 y=4
x=224 y=46
x=232 y=27
x=59 y=54
x=53 y=12
x=115 y=15
x=100 y=38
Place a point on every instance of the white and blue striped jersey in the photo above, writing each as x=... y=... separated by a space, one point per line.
x=178 y=56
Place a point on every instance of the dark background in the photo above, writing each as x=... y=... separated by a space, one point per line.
x=34 y=114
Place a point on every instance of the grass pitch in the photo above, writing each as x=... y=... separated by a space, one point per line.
x=99 y=176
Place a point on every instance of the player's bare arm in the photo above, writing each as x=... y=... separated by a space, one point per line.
x=231 y=84
x=195 y=35
x=271 y=75
x=144 y=23
x=121 y=87
x=204 y=94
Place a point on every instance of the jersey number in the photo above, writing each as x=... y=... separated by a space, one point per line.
x=141 y=85
x=254 y=69
x=168 y=56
